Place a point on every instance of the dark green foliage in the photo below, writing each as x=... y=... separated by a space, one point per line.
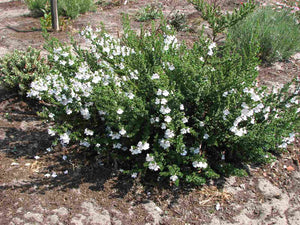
x=19 y=69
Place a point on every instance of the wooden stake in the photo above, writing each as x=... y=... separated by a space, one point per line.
x=54 y=14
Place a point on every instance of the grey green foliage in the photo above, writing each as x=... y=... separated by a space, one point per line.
x=276 y=32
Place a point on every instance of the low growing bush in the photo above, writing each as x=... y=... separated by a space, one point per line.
x=160 y=110
x=20 y=68
x=66 y=8
x=149 y=12
x=72 y=8
x=38 y=7
x=276 y=31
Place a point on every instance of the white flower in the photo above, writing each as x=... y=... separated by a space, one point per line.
x=168 y=119
x=226 y=112
x=157 y=101
x=173 y=178
x=184 y=120
x=65 y=54
x=122 y=132
x=51 y=115
x=37 y=157
x=239 y=132
x=201 y=124
x=71 y=62
x=245 y=106
x=134 y=175
x=143 y=146
x=201 y=59
x=53 y=175
x=181 y=107
x=64 y=157
x=88 y=132
x=155 y=76
x=47 y=175
x=206 y=136
x=218 y=206
x=55 y=58
x=153 y=166
x=101 y=113
x=164 y=143
x=171 y=67
x=98 y=145
x=130 y=95
x=120 y=111
x=163 y=101
x=57 y=50
x=163 y=126
x=169 y=134
x=51 y=132
x=197 y=164
x=85 y=144
x=66 y=172
x=85 y=113
x=149 y=158
x=64 y=138
x=115 y=136
x=165 y=110
x=62 y=62
x=225 y=94
x=165 y=93
x=183 y=153
x=159 y=92
x=283 y=145
x=68 y=111
x=117 y=146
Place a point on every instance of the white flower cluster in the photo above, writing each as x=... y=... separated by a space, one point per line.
x=248 y=113
x=139 y=148
x=210 y=49
x=287 y=141
x=201 y=165
x=170 y=41
x=152 y=164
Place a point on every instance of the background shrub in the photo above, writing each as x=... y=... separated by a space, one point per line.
x=67 y=8
x=149 y=12
x=38 y=7
x=20 y=68
x=72 y=8
x=276 y=31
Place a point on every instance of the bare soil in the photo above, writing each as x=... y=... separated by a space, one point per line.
x=49 y=189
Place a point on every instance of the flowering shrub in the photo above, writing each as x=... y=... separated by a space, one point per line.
x=161 y=110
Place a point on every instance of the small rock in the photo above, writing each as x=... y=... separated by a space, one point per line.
x=268 y=189
x=53 y=219
x=61 y=211
x=296 y=56
x=278 y=67
x=36 y=216
x=290 y=168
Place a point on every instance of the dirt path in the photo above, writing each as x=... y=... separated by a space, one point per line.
x=39 y=186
